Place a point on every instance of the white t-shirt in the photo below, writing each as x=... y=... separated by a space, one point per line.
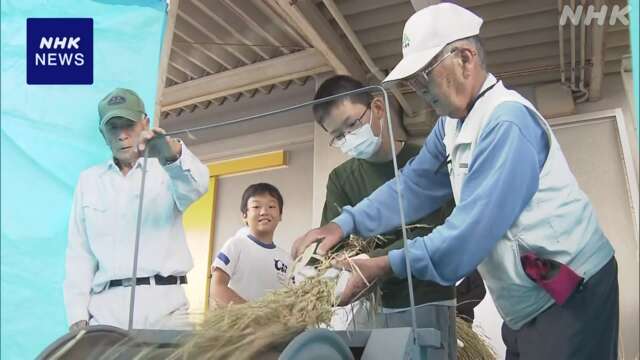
x=254 y=267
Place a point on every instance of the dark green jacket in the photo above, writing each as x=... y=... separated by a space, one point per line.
x=354 y=180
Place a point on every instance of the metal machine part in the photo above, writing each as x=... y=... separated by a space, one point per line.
x=110 y=343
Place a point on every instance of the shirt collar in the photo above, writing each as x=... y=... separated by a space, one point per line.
x=111 y=164
x=260 y=243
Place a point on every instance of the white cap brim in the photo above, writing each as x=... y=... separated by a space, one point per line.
x=410 y=64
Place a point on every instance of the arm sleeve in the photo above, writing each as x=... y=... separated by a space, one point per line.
x=80 y=265
x=424 y=188
x=470 y=292
x=189 y=177
x=502 y=179
x=227 y=258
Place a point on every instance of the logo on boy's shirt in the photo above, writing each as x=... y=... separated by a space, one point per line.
x=281 y=270
x=280 y=265
x=59 y=51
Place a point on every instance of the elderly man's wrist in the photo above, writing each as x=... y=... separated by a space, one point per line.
x=384 y=267
x=176 y=147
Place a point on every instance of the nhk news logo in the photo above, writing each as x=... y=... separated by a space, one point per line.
x=59 y=51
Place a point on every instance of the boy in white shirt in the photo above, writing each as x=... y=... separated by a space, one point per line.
x=249 y=264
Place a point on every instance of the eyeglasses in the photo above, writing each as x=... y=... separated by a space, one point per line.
x=421 y=79
x=351 y=126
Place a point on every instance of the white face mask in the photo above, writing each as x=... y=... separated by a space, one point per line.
x=361 y=143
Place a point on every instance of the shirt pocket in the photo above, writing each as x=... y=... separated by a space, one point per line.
x=96 y=217
x=462 y=159
x=459 y=168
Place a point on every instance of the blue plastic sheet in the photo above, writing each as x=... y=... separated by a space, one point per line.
x=49 y=135
x=634 y=26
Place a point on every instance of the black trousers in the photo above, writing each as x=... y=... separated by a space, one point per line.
x=585 y=327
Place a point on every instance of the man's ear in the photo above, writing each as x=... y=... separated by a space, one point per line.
x=379 y=110
x=468 y=57
x=378 y=105
x=146 y=121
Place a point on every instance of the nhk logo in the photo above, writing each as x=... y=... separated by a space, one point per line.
x=59 y=51
x=617 y=14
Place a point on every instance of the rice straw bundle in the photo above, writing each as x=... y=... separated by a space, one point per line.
x=474 y=346
x=263 y=328
x=266 y=325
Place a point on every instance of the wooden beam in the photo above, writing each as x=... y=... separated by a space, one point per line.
x=322 y=36
x=283 y=68
x=278 y=18
x=518 y=24
x=352 y=7
x=186 y=34
x=253 y=17
x=421 y=4
x=185 y=65
x=164 y=58
x=196 y=55
x=214 y=32
x=175 y=74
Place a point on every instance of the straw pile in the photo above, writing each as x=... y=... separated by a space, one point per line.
x=263 y=328
x=474 y=346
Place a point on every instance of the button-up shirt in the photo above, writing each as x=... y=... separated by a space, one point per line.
x=102 y=225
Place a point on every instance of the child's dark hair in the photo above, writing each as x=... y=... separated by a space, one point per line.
x=260 y=189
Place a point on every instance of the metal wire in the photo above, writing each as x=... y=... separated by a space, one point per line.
x=290 y=108
x=134 y=272
x=403 y=222
x=295 y=47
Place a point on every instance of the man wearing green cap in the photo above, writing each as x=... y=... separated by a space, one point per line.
x=102 y=225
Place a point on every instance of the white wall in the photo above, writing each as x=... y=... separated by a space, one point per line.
x=253 y=143
x=614 y=95
x=295 y=185
x=593 y=151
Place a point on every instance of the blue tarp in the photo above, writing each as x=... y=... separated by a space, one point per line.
x=634 y=26
x=49 y=135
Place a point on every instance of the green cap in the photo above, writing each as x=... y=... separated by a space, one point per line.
x=121 y=102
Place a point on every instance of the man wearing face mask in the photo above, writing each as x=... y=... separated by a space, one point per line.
x=358 y=127
x=103 y=223
x=520 y=216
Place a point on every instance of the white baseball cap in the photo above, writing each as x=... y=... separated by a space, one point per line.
x=428 y=31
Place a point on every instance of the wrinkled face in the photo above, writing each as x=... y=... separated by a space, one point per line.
x=444 y=84
x=263 y=213
x=121 y=135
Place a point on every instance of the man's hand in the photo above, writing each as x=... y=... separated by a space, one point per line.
x=373 y=270
x=329 y=235
x=161 y=146
x=78 y=325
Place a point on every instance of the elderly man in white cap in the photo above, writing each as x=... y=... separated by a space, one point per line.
x=520 y=216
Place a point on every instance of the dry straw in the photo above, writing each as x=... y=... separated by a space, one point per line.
x=262 y=328
x=474 y=346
